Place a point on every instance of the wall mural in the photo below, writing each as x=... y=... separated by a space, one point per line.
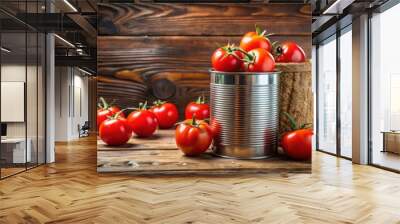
x=161 y=51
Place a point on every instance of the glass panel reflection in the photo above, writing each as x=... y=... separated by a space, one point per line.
x=346 y=94
x=327 y=96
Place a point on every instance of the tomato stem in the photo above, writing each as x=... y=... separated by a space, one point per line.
x=231 y=49
x=116 y=115
x=104 y=102
x=201 y=100
x=143 y=106
x=249 y=58
x=194 y=122
x=261 y=32
x=292 y=121
x=293 y=124
x=158 y=103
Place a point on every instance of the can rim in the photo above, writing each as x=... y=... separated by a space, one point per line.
x=245 y=73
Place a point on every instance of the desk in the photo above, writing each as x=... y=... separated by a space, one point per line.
x=391 y=141
x=13 y=150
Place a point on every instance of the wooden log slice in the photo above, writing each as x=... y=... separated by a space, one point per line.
x=296 y=97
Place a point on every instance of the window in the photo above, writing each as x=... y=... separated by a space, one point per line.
x=335 y=74
x=327 y=96
x=385 y=88
x=346 y=92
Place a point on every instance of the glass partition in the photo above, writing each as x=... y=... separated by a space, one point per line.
x=327 y=96
x=346 y=93
x=22 y=88
x=14 y=153
x=385 y=89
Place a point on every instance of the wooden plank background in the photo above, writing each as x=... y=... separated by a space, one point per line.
x=162 y=50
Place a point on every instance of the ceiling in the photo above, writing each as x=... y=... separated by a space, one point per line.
x=76 y=21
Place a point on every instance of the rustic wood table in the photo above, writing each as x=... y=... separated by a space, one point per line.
x=160 y=156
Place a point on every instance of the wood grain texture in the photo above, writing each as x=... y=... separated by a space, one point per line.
x=135 y=69
x=148 y=56
x=219 y=19
x=149 y=51
x=160 y=156
x=71 y=191
x=161 y=140
x=295 y=95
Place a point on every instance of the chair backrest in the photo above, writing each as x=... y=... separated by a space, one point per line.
x=86 y=125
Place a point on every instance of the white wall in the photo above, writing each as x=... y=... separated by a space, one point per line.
x=71 y=102
x=33 y=127
x=14 y=73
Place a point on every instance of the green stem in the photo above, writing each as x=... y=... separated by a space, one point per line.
x=143 y=106
x=194 y=122
x=119 y=113
x=158 y=103
x=292 y=121
x=104 y=102
x=199 y=100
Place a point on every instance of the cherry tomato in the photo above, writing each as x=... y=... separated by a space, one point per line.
x=105 y=111
x=290 y=52
x=193 y=137
x=167 y=114
x=115 y=131
x=297 y=144
x=227 y=59
x=199 y=109
x=259 y=60
x=253 y=40
x=216 y=129
x=143 y=122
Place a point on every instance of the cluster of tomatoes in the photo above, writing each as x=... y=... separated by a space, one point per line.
x=256 y=53
x=193 y=136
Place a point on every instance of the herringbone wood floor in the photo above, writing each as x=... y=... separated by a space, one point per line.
x=71 y=191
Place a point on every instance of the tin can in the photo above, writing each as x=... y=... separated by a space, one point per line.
x=245 y=114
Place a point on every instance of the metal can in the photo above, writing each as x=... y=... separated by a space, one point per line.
x=245 y=114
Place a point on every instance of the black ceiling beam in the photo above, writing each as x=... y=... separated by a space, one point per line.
x=79 y=61
x=49 y=22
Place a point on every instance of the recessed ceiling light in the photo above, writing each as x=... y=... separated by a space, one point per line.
x=70 y=5
x=84 y=71
x=65 y=41
x=338 y=6
x=5 y=50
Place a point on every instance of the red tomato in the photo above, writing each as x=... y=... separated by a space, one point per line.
x=199 y=109
x=259 y=60
x=143 y=122
x=227 y=59
x=115 y=131
x=253 y=40
x=167 y=114
x=105 y=111
x=297 y=144
x=290 y=52
x=215 y=128
x=193 y=137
